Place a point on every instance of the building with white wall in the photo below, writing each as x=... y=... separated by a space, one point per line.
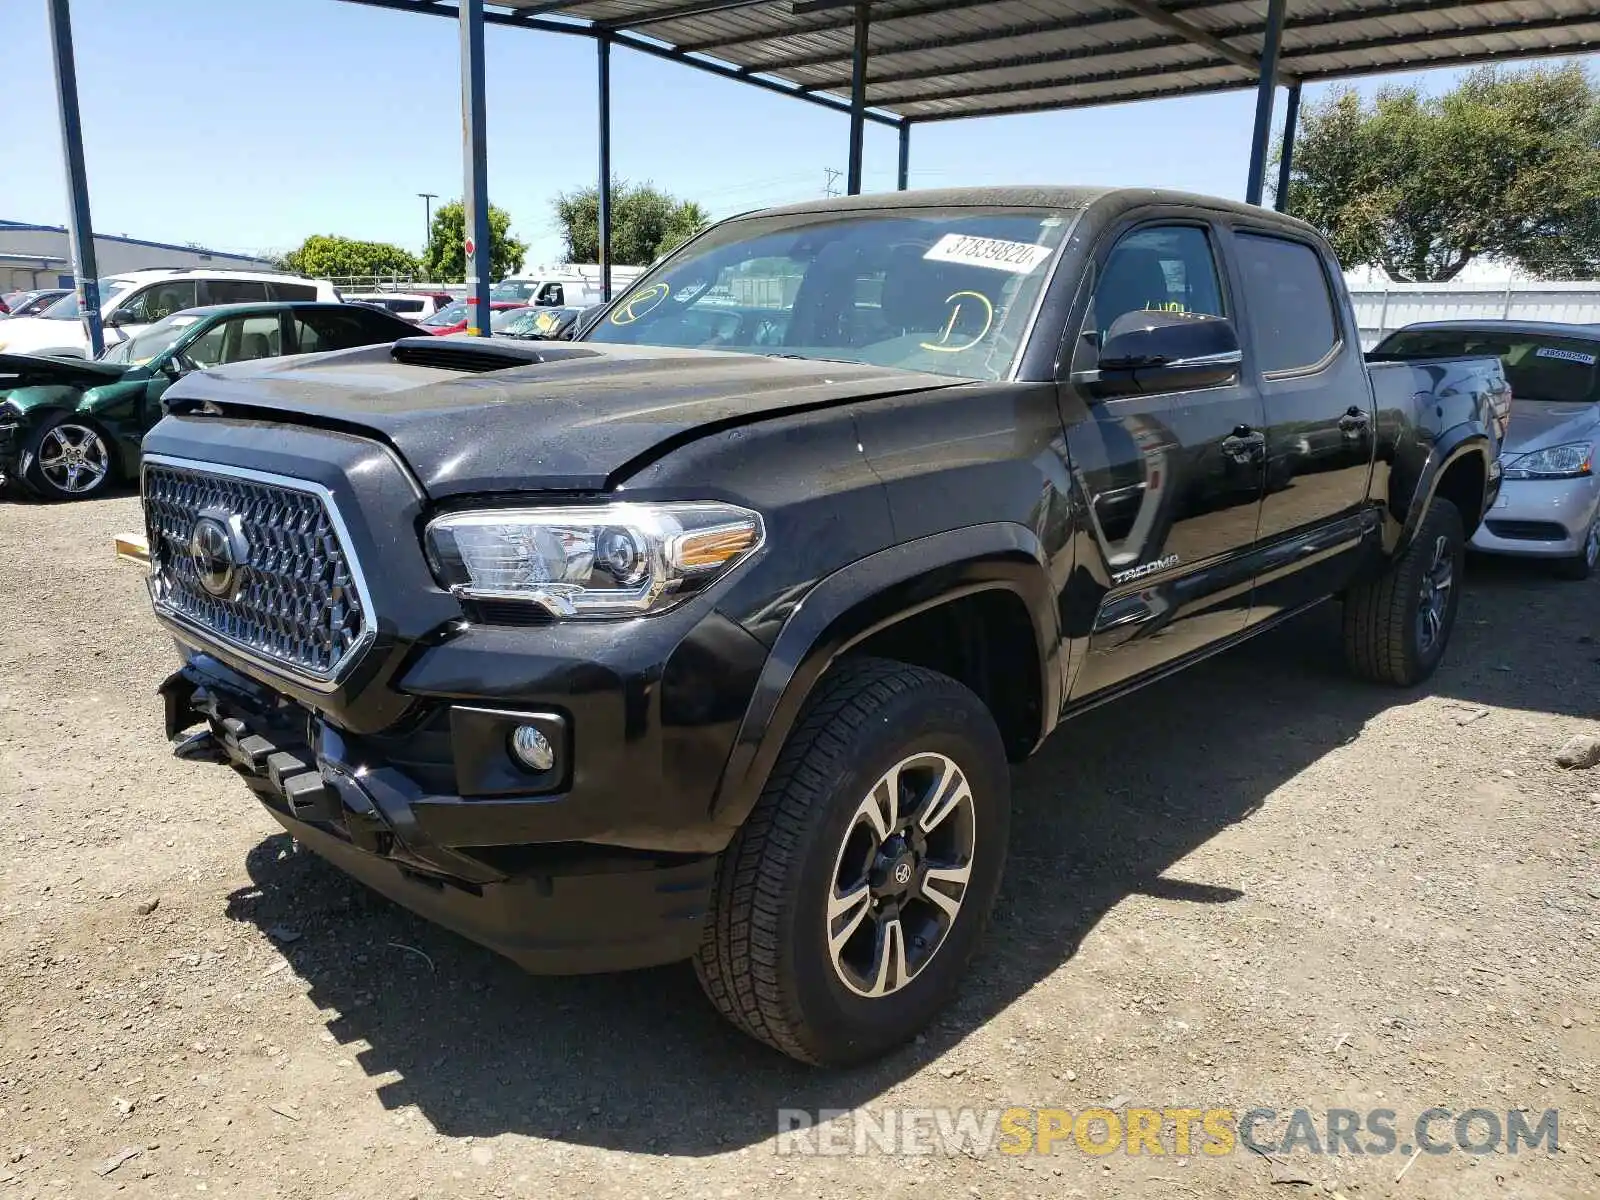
x=38 y=256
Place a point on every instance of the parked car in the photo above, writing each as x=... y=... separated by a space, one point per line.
x=31 y=304
x=573 y=285
x=537 y=324
x=412 y=306
x=71 y=429
x=453 y=317
x=131 y=301
x=1549 y=507
x=710 y=633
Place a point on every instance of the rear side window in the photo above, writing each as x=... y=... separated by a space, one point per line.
x=233 y=291
x=292 y=291
x=1292 y=321
x=340 y=329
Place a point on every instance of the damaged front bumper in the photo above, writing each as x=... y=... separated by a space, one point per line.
x=554 y=907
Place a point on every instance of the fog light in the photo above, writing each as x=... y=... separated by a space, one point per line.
x=532 y=749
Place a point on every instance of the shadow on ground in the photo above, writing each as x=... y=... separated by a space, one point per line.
x=640 y=1061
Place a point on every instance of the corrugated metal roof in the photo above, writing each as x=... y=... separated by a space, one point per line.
x=942 y=59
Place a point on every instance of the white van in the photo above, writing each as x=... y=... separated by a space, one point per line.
x=135 y=299
x=575 y=285
x=408 y=306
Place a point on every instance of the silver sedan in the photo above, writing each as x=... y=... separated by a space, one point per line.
x=1549 y=503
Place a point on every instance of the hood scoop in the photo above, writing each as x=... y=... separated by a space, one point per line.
x=478 y=355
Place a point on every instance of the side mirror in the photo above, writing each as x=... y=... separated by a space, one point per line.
x=1157 y=350
x=119 y=318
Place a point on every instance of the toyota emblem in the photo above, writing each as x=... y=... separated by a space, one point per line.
x=217 y=548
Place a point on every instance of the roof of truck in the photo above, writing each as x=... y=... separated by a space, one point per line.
x=1027 y=196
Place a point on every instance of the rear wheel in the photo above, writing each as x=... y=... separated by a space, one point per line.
x=68 y=458
x=1396 y=626
x=848 y=906
x=1582 y=564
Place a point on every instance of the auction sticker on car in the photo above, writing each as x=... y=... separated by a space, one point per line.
x=1576 y=356
x=1016 y=257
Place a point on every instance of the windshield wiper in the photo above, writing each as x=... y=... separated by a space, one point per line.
x=855 y=362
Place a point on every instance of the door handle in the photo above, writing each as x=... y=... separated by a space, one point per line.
x=1354 y=419
x=1244 y=444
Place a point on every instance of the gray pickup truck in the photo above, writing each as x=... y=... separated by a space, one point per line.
x=708 y=634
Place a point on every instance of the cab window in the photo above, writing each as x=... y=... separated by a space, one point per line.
x=157 y=301
x=1167 y=267
x=240 y=339
x=1292 y=321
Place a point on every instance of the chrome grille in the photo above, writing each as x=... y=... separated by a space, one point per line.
x=295 y=600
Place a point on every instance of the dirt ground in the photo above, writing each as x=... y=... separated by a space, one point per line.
x=1258 y=885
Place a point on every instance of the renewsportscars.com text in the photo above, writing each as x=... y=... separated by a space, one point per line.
x=1157 y=1132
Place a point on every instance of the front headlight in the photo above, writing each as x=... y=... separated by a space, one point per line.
x=1553 y=462
x=606 y=560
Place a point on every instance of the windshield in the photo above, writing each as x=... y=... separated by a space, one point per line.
x=513 y=289
x=1538 y=366
x=948 y=291
x=157 y=339
x=512 y=320
x=66 y=308
x=450 y=314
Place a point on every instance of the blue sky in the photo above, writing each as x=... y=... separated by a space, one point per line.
x=248 y=124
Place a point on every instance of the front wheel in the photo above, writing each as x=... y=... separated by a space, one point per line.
x=1397 y=625
x=68 y=458
x=850 y=902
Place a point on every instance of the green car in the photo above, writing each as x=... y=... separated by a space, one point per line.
x=71 y=429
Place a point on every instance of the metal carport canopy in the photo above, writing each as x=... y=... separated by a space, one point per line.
x=934 y=60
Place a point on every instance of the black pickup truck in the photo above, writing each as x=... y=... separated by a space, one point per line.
x=709 y=634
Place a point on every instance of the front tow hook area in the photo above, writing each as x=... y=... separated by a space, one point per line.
x=288 y=768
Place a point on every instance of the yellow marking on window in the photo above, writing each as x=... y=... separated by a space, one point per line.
x=942 y=346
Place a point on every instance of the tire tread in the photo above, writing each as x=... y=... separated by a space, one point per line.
x=738 y=964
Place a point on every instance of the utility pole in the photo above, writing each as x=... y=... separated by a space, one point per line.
x=427 y=217
x=829 y=188
x=85 y=276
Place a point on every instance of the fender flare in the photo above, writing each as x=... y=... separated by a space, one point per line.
x=869 y=595
x=1451 y=447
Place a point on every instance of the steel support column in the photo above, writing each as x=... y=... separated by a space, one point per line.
x=85 y=274
x=603 y=216
x=475 y=165
x=1291 y=119
x=858 y=100
x=903 y=171
x=1266 y=88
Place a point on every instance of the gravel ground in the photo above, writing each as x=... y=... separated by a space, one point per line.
x=1260 y=884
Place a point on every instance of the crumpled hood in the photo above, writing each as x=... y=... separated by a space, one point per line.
x=1536 y=424
x=583 y=419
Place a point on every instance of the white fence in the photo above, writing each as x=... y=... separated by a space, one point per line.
x=1383 y=308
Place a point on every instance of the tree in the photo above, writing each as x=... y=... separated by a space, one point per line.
x=1507 y=166
x=645 y=223
x=322 y=255
x=445 y=259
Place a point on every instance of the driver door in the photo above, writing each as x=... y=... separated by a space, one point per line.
x=1173 y=479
